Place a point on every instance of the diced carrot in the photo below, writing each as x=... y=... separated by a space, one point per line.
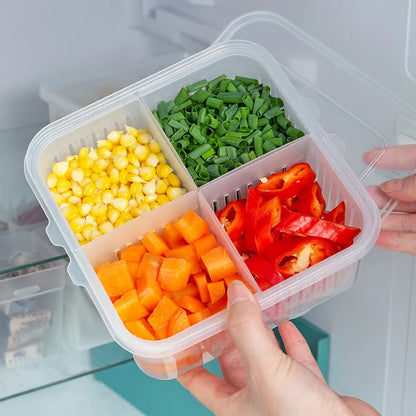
x=178 y=322
x=161 y=331
x=172 y=236
x=190 y=290
x=218 y=306
x=133 y=267
x=198 y=316
x=216 y=290
x=101 y=266
x=162 y=313
x=229 y=279
x=114 y=298
x=167 y=293
x=129 y=307
x=204 y=244
x=218 y=263
x=201 y=283
x=115 y=278
x=149 y=291
x=150 y=265
x=133 y=252
x=188 y=253
x=154 y=244
x=190 y=303
x=141 y=329
x=191 y=226
x=174 y=274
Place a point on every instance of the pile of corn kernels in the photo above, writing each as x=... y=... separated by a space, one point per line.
x=102 y=188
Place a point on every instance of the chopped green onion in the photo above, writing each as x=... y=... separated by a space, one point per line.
x=162 y=110
x=247 y=81
x=265 y=93
x=258 y=102
x=178 y=125
x=244 y=157
x=208 y=153
x=181 y=97
x=231 y=87
x=195 y=132
x=200 y=96
x=154 y=112
x=214 y=83
x=231 y=97
x=201 y=115
x=199 y=151
x=197 y=85
x=276 y=141
x=214 y=102
x=231 y=112
x=294 y=133
x=283 y=121
x=273 y=112
x=258 y=146
x=268 y=146
x=253 y=121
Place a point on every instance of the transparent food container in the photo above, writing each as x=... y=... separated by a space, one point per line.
x=208 y=339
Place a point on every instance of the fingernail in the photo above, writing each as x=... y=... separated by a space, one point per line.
x=238 y=292
x=392 y=186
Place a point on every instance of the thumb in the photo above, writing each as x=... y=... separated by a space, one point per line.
x=403 y=190
x=249 y=333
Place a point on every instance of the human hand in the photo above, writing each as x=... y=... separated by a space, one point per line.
x=398 y=230
x=259 y=379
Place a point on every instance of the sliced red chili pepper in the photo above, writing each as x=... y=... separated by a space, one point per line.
x=254 y=200
x=288 y=183
x=263 y=270
x=310 y=201
x=300 y=224
x=293 y=256
x=240 y=245
x=263 y=284
x=337 y=214
x=268 y=217
x=232 y=218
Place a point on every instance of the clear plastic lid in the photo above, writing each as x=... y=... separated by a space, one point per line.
x=360 y=114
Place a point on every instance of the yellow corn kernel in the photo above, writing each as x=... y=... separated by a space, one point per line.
x=133 y=170
x=139 y=197
x=133 y=159
x=103 y=183
x=174 y=180
x=99 y=210
x=73 y=200
x=144 y=206
x=92 y=154
x=87 y=200
x=136 y=212
x=90 y=220
x=105 y=227
x=77 y=175
x=85 y=162
x=161 y=187
x=125 y=216
x=73 y=164
x=99 y=165
x=149 y=188
x=131 y=130
x=114 y=175
x=163 y=170
x=60 y=168
x=103 y=152
x=174 y=192
x=104 y=144
x=83 y=152
x=119 y=222
x=107 y=196
x=149 y=198
x=161 y=157
x=77 y=190
x=77 y=224
x=94 y=176
x=162 y=199
x=114 y=136
x=120 y=162
x=120 y=203
x=154 y=205
x=144 y=137
x=152 y=160
x=124 y=192
x=66 y=194
x=147 y=172
x=80 y=238
x=134 y=178
x=63 y=185
x=154 y=146
x=123 y=177
x=69 y=158
x=89 y=189
x=114 y=188
x=95 y=234
x=127 y=140
x=133 y=203
x=60 y=199
x=136 y=188
x=70 y=212
x=85 y=208
x=86 y=180
x=87 y=230
x=141 y=152
x=119 y=151
x=98 y=199
x=101 y=219
x=51 y=180
x=113 y=214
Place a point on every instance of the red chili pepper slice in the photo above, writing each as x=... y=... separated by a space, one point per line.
x=293 y=256
x=337 y=214
x=254 y=200
x=268 y=217
x=287 y=184
x=263 y=270
x=232 y=218
x=310 y=201
x=240 y=245
x=300 y=224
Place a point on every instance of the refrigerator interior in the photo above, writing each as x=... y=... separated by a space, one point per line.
x=48 y=45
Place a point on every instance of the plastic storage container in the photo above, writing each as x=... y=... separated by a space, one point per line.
x=199 y=344
x=31 y=307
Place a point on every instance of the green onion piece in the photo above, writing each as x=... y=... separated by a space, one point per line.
x=283 y=121
x=195 y=132
x=231 y=152
x=231 y=112
x=234 y=124
x=202 y=171
x=231 y=87
x=268 y=146
x=220 y=131
x=208 y=153
x=200 y=182
x=189 y=162
x=253 y=121
x=251 y=155
x=258 y=102
x=233 y=141
x=168 y=129
x=214 y=171
x=177 y=135
x=154 y=112
x=162 y=110
x=199 y=151
x=181 y=106
x=248 y=101
x=251 y=136
x=244 y=125
x=273 y=112
x=223 y=85
x=184 y=143
x=276 y=141
x=214 y=82
x=245 y=111
x=242 y=88
x=200 y=96
x=247 y=81
x=170 y=105
x=294 y=133
x=263 y=122
x=264 y=107
x=177 y=116
x=192 y=172
x=231 y=97
x=226 y=126
x=258 y=146
x=182 y=96
x=267 y=135
x=220 y=159
x=280 y=102
x=212 y=121
x=214 y=102
x=197 y=85
x=201 y=115
x=238 y=134
x=178 y=125
x=265 y=93
x=244 y=157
